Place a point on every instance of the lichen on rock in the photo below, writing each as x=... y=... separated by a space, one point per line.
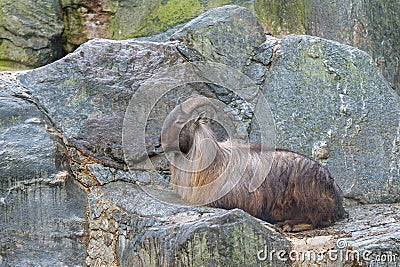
x=30 y=39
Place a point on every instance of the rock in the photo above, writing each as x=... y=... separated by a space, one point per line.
x=324 y=96
x=152 y=17
x=370 y=237
x=31 y=41
x=26 y=149
x=75 y=100
x=60 y=27
x=199 y=235
x=44 y=225
x=122 y=19
x=321 y=90
x=280 y=18
x=226 y=35
x=85 y=20
x=92 y=89
x=43 y=213
x=30 y=33
x=170 y=235
x=261 y=60
x=368 y=25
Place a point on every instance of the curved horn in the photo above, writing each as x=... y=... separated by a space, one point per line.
x=199 y=104
x=188 y=110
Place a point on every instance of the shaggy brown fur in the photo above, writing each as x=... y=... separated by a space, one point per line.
x=295 y=191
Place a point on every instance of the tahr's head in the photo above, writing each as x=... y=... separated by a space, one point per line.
x=180 y=124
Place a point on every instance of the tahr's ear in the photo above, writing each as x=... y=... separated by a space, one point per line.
x=180 y=100
x=201 y=116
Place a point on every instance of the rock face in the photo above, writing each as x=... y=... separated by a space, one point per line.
x=368 y=25
x=322 y=91
x=122 y=19
x=152 y=233
x=57 y=28
x=208 y=36
x=43 y=223
x=30 y=39
x=35 y=33
x=326 y=98
x=42 y=211
x=369 y=237
x=88 y=106
x=27 y=150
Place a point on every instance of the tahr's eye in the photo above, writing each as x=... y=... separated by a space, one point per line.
x=204 y=120
x=180 y=122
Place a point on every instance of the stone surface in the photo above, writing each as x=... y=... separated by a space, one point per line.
x=198 y=235
x=321 y=90
x=35 y=33
x=324 y=96
x=152 y=17
x=226 y=35
x=370 y=236
x=371 y=26
x=368 y=25
x=43 y=224
x=26 y=149
x=85 y=20
x=42 y=218
x=152 y=233
x=92 y=88
x=122 y=19
x=30 y=39
x=91 y=122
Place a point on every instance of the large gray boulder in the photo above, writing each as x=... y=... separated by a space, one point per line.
x=217 y=37
x=325 y=97
x=88 y=99
x=371 y=26
x=26 y=149
x=42 y=218
x=323 y=92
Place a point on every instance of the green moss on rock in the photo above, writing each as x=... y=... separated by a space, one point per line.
x=30 y=33
x=281 y=17
x=168 y=13
x=73 y=33
x=11 y=66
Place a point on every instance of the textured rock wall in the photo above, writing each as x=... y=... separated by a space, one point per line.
x=42 y=211
x=122 y=19
x=43 y=223
x=153 y=233
x=321 y=92
x=30 y=33
x=371 y=26
x=32 y=39
x=35 y=33
x=75 y=190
